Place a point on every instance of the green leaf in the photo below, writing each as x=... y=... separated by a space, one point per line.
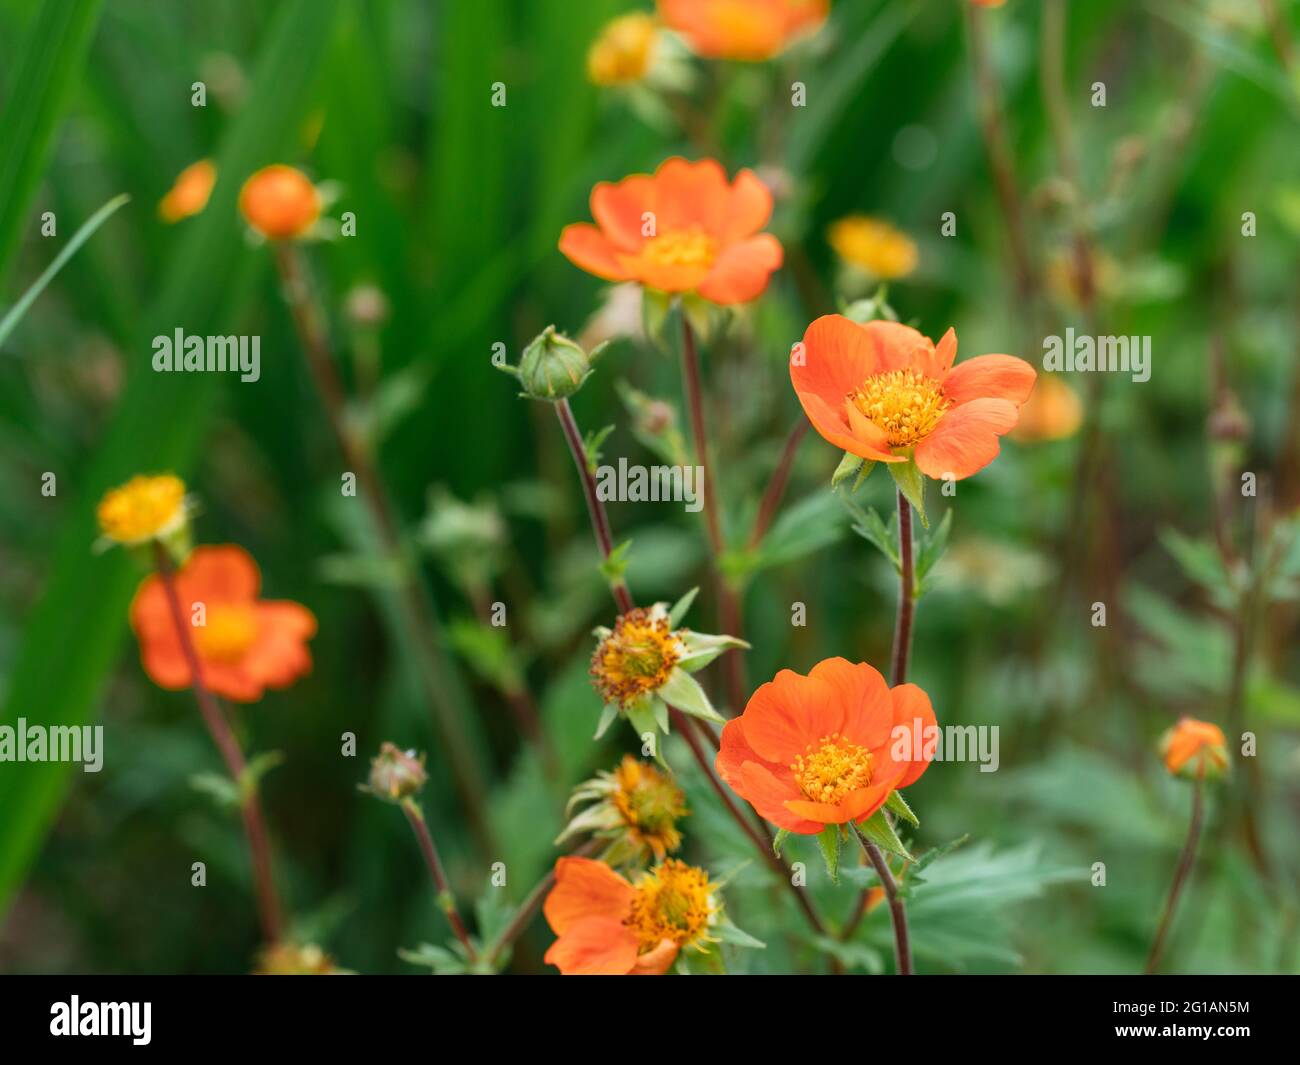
x=931 y=550
x=911 y=482
x=591 y=445
x=828 y=842
x=46 y=68
x=882 y=834
x=869 y=525
x=258 y=766
x=616 y=565
x=219 y=787
x=850 y=466
x=898 y=805
x=79 y=238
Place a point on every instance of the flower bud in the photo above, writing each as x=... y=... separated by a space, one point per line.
x=396 y=774
x=553 y=366
x=280 y=203
x=1195 y=749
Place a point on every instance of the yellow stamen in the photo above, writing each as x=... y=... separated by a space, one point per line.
x=836 y=768
x=673 y=901
x=685 y=247
x=635 y=658
x=904 y=404
x=650 y=804
x=228 y=633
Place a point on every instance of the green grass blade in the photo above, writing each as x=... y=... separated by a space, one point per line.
x=70 y=249
x=42 y=82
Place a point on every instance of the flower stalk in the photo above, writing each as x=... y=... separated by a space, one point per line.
x=1181 y=873
x=446 y=900
x=897 y=912
x=250 y=808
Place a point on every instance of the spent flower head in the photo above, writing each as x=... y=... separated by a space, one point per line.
x=395 y=774
x=634 y=807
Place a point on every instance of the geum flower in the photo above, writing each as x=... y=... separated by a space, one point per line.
x=885 y=393
x=635 y=808
x=609 y=926
x=1193 y=748
x=644 y=664
x=145 y=509
x=624 y=51
x=822 y=749
x=747 y=30
x=244 y=644
x=280 y=203
x=684 y=229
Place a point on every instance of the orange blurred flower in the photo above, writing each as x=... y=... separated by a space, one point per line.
x=1053 y=412
x=882 y=390
x=748 y=30
x=244 y=644
x=827 y=748
x=189 y=194
x=609 y=926
x=624 y=51
x=145 y=508
x=1195 y=749
x=280 y=202
x=684 y=229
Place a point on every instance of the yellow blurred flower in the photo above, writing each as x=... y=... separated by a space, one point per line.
x=189 y=194
x=624 y=51
x=874 y=246
x=1052 y=412
x=145 y=508
x=290 y=959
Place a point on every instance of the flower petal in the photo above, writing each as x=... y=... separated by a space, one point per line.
x=837 y=357
x=657 y=961
x=859 y=436
x=620 y=209
x=588 y=248
x=749 y=206
x=786 y=714
x=966 y=438
x=741 y=271
x=861 y=700
x=585 y=888
x=223 y=573
x=899 y=347
x=690 y=194
x=913 y=712
x=990 y=377
x=770 y=796
x=594 y=946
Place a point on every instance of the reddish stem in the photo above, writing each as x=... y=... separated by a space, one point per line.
x=1183 y=870
x=446 y=900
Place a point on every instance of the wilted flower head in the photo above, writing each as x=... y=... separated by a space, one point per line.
x=608 y=926
x=636 y=808
x=280 y=202
x=873 y=246
x=643 y=665
x=884 y=392
x=245 y=644
x=624 y=51
x=746 y=30
x=290 y=959
x=396 y=774
x=145 y=508
x=683 y=229
x=189 y=194
x=553 y=367
x=1194 y=749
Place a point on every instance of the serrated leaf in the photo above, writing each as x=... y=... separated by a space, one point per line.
x=898 y=805
x=871 y=527
x=615 y=566
x=911 y=482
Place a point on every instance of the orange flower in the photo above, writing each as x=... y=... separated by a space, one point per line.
x=684 y=229
x=1053 y=412
x=827 y=748
x=189 y=195
x=244 y=644
x=280 y=202
x=882 y=390
x=608 y=926
x=748 y=30
x=988 y=3
x=1195 y=749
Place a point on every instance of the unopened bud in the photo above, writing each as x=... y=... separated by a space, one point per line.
x=396 y=774
x=553 y=367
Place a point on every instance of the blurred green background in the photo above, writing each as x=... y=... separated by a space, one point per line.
x=459 y=206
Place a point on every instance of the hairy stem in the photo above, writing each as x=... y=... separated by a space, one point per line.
x=902 y=942
x=906 y=595
x=250 y=806
x=446 y=900
x=1185 y=862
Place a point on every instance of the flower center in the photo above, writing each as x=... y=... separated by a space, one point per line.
x=228 y=633
x=685 y=247
x=649 y=804
x=904 y=404
x=635 y=658
x=836 y=768
x=673 y=901
x=142 y=508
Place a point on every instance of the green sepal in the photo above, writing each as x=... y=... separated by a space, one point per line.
x=778 y=841
x=678 y=612
x=828 y=841
x=616 y=565
x=684 y=692
x=911 y=482
x=737 y=937
x=898 y=805
x=878 y=829
x=607 y=715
